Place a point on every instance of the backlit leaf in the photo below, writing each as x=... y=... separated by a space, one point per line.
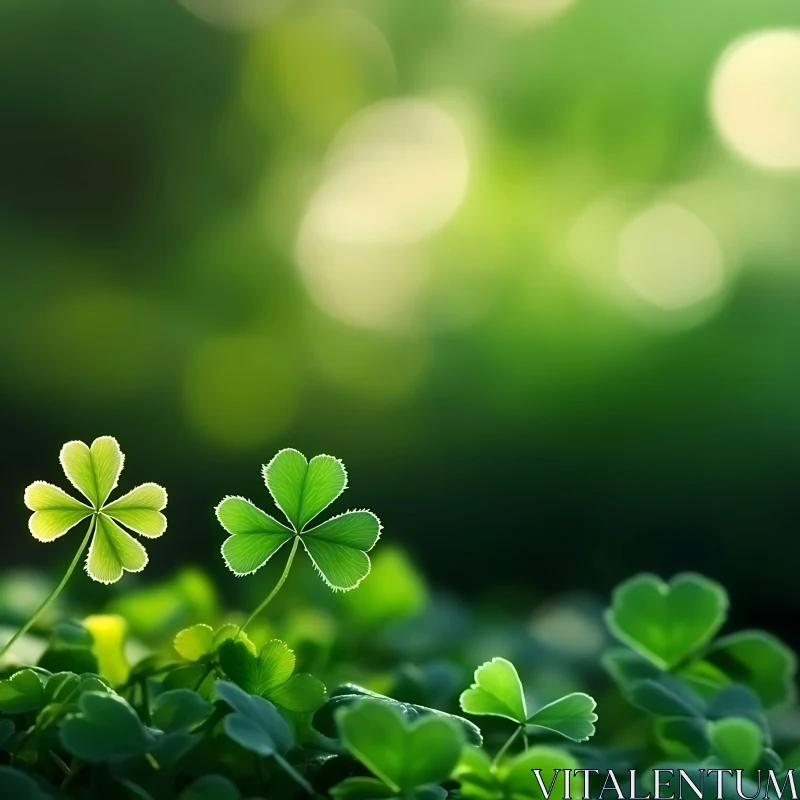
x=403 y=754
x=497 y=691
x=572 y=716
x=93 y=471
x=302 y=489
x=667 y=622
x=113 y=551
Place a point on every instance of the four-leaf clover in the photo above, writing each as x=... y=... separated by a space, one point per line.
x=301 y=489
x=94 y=472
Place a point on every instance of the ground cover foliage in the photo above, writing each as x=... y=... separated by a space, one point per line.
x=359 y=682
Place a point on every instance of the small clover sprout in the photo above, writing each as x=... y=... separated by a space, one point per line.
x=497 y=692
x=301 y=489
x=94 y=472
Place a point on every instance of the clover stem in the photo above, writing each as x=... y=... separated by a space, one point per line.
x=275 y=591
x=298 y=778
x=55 y=593
x=502 y=751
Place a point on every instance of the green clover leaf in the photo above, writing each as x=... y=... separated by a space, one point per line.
x=23 y=691
x=404 y=755
x=349 y=694
x=758 y=660
x=571 y=716
x=211 y=787
x=105 y=729
x=736 y=742
x=511 y=778
x=301 y=489
x=667 y=622
x=497 y=692
x=198 y=642
x=256 y=725
x=17 y=784
x=94 y=472
x=361 y=788
x=179 y=710
x=269 y=675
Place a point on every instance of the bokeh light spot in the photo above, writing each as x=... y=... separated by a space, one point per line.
x=755 y=98
x=395 y=174
x=670 y=258
x=239 y=391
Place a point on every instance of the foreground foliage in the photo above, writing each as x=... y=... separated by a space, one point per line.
x=357 y=696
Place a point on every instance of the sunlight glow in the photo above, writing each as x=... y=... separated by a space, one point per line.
x=755 y=98
x=395 y=174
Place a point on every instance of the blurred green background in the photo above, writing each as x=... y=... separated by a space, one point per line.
x=529 y=267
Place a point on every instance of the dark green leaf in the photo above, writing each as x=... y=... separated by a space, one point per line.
x=105 y=729
x=211 y=787
x=349 y=693
x=361 y=789
x=736 y=742
x=760 y=661
x=255 y=723
x=16 y=785
x=179 y=710
x=22 y=692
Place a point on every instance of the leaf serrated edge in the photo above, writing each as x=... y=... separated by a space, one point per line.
x=89 y=446
x=252 y=571
x=124 y=569
x=34 y=484
x=28 y=488
x=146 y=483
x=257 y=508
x=590 y=719
x=265 y=469
x=477 y=685
x=369 y=560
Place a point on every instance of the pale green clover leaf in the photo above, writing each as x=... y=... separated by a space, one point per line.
x=497 y=692
x=301 y=489
x=94 y=472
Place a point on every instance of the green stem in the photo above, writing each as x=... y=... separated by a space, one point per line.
x=55 y=593
x=275 y=591
x=74 y=768
x=211 y=668
x=502 y=751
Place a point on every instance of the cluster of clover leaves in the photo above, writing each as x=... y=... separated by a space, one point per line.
x=231 y=718
x=708 y=697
